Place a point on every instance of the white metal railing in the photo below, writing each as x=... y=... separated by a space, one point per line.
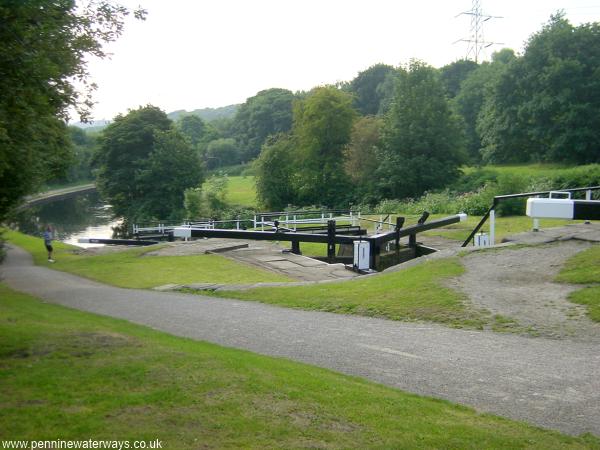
x=292 y=220
x=288 y=220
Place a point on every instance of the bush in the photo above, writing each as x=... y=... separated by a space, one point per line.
x=207 y=200
x=576 y=177
x=470 y=182
x=473 y=198
x=236 y=170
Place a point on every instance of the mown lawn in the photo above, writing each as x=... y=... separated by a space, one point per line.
x=241 y=191
x=132 y=269
x=71 y=375
x=416 y=293
x=584 y=268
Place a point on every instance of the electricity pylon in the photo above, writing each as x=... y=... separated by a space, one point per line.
x=476 y=42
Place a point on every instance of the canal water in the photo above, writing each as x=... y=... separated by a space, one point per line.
x=84 y=215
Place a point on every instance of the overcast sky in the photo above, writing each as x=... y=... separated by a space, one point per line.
x=192 y=54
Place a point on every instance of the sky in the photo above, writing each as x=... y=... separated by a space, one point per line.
x=191 y=54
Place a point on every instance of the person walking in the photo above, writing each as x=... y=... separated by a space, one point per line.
x=48 y=242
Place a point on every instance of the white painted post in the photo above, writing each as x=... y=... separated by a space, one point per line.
x=262 y=223
x=492 y=227
x=536 y=221
x=295 y=223
x=588 y=197
x=254 y=222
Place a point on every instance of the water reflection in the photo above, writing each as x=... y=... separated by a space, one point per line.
x=84 y=215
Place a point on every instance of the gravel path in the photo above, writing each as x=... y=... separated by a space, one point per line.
x=518 y=283
x=551 y=383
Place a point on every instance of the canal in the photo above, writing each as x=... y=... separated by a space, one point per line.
x=83 y=215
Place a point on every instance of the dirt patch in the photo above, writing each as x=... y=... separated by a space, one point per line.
x=518 y=283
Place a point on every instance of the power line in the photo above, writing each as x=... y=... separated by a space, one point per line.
x=476 y=42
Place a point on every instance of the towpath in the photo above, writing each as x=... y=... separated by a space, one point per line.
x=549 y=382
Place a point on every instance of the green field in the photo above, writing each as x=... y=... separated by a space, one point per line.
x=133 y=269
x=71 y=375
x=241 y=191
x=584 y=268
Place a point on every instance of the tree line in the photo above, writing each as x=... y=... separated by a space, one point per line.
x=391 y=132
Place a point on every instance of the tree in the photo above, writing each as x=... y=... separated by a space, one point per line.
x=222 y=152
x=366 y=88
x=546 y=105
x=143 y=162
x=452 y=75
x=275 y=172
x=422 y=141
x=84 y=145
x=198 y=132
x=361 y=154
x=475 y=89
x=192 y=127
x=45 y=46
x=267 y=113
x=171 y=167
x=322 y=126
x=207 y=201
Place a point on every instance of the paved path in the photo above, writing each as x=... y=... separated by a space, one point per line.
x=552 y=383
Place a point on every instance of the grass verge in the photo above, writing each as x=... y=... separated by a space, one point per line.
x=584 y=268
x=505 y=226
x=75 y=376
x=416 y=293
x=131 y=269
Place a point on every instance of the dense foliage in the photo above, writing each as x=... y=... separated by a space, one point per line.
x=391 y=133
x=268 y=112
x=369 y=89
x=275 y=173
x=145 y=165
x=422 y=145
x=546 y=104
x=44 y=48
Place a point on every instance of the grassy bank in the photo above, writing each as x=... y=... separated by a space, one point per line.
x=133 y=269
x=73 y=375
x=241 y=191
x=416 y=293
x=584 y=268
